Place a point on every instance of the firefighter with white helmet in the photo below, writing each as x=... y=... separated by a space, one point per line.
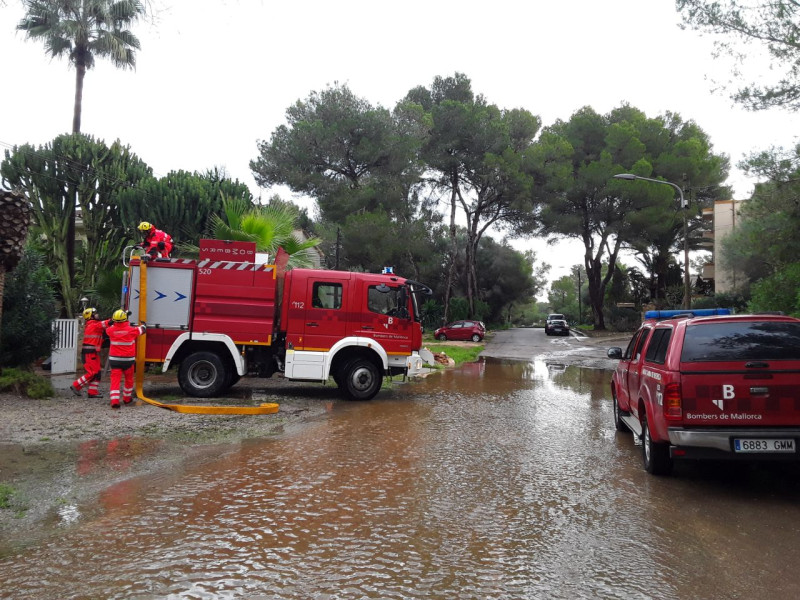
x=90 y=353
x=122 y=355
x=156 y=243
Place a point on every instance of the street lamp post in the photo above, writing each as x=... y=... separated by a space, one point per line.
x=687 y=289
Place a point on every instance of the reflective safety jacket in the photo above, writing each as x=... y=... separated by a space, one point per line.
x=158 y=241
x=93 y=335
x=123 y=340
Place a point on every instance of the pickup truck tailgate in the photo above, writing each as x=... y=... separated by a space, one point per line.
x=731 y=397
x=741 y=374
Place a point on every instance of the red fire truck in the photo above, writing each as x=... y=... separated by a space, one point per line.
x=227 y=315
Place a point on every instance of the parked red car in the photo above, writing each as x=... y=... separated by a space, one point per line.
x=710 y=386
x=461 y=330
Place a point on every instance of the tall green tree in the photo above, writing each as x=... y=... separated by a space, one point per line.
x=83 y=30
x=563 y=297
x=52 y=177
x=347 y=154
x=369 y=241
x=508 y=277
x=481 y=158
x=765 y=240
x=605 y=213
x=773 y=26
x=180 y=203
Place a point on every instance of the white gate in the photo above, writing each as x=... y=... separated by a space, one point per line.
x=65 y=346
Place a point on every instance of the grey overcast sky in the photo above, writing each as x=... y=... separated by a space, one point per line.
x=212 y=78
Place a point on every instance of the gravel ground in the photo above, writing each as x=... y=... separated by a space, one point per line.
x=62 y=451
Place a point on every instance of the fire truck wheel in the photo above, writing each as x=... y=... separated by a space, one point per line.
x=361 y=380
x=655 y=454
x=202 y=375
x=233 y=377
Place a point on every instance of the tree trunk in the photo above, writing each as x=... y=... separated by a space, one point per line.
x=593 y=272
x=70 y=238
x=80 y=73
x=469 y=259
x=2 y=291
x=451 y=270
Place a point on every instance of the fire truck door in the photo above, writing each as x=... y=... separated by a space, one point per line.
x=389 y=321
x=326 y=314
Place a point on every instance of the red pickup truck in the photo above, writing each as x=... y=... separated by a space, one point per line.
x=710 y=387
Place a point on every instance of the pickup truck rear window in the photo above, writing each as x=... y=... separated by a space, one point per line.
x=741 y=341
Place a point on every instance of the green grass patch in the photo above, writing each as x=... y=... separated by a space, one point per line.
x=6 y=491
x=10 y=498
x=25 y=383
x=460 y=354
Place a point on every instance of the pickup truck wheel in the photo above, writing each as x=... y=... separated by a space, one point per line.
x=203 y=375
x=618 y=422
x=361 y=380
x=655 y=454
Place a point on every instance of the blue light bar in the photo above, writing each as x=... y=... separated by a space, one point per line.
x=696 y=312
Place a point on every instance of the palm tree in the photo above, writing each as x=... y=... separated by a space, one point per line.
x=83 y=30
x=270 y=226
x=15 y=216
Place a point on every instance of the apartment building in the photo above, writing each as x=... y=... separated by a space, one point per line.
x=721 y=220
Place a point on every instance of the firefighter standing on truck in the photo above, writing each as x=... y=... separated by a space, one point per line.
x=156 y=243
x=90 y=353
x=122 y=355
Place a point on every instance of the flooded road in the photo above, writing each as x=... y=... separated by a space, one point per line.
x=501 y=479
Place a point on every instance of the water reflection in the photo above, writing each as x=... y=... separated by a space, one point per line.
x=499 y=480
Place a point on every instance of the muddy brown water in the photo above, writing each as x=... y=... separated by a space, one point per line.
x=496 y=480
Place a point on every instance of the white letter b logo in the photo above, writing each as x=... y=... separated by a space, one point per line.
x=727 y=392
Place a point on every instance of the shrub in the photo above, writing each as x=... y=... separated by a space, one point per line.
x=736 y=302
x=29 y=308
x=25 y=383
x=432 y=313
x=622 y=319
x=779 y=291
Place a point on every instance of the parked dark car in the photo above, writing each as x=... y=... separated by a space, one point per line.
x=461 y=330
x=556 y=327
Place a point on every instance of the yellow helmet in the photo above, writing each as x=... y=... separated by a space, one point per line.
x=145 y=226
x=87 y=314
x=119 y=316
